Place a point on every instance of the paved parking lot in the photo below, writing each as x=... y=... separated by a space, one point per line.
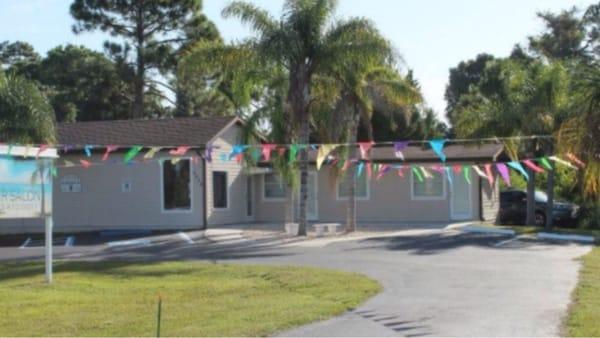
x=436 y=282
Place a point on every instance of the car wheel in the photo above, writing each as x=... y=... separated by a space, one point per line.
x=540 y=219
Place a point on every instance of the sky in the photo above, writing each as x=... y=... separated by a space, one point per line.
x=432 y=36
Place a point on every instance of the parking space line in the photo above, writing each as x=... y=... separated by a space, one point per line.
x=133 y=242
x=185 y=237
x=24 y=245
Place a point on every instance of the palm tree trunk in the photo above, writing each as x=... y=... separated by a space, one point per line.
x=304 y=134
x=550 y=203
x=351 y=208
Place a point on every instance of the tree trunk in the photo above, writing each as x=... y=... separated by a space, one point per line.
x=530 y=219
x=550 y=203
x=351 y=208
x=289 y=205
x=304 y=134
x=140 y=68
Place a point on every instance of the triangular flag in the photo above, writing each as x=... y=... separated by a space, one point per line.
x=437 y=168
x=449 y=176
x=293 y=152
x=208 y=152
x=426 y=173
x=88 y=150
x=467 y=174
x=109 y=149
x=383 y=170
x=545 y=163
x=179 y=151
x=369 y=170
x=256 y=153
x=236 y=151
x=281 y=151
x=68 y=164
x=532 y=166
x=364 y=149
x=359 y=168
x=503 y=170
x=575 y=159
x=346 y=165
x=417 y=173
x=488 y=172
x=224 y=157
x=518 y=167
x=322 y=153
x=85 y=164
x=401 y=171
x=563 y=162
x=42 y=148
x=457 y=169
x=266 y=151
x=479 y=171
x=131 y=153
x=398 y=148
x=175 y=160
x=438 y=148
x=150 y=153
x=53 y=171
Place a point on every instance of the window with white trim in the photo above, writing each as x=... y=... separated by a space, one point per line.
x=428 y=188
x=176 y=185
x=219 y=189
x=273 y=187
x=361 y=190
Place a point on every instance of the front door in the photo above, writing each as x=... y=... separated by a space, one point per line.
x=461 y=205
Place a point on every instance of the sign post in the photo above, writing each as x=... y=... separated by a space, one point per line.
x=26 y=189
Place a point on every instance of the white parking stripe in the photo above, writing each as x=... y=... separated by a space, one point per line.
x=24 y=245
x=70 y=241
x=133 y=242
x=185 y=237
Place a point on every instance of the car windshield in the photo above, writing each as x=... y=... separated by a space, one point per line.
x=541 y=196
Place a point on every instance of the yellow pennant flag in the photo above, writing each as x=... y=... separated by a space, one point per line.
x=324 y=150
x=150 y=154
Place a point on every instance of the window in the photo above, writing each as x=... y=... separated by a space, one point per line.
x=430 y=188
x=274 y=187
x=70 y=183
x=362 y=187
x=176 y=185
x=219 y=189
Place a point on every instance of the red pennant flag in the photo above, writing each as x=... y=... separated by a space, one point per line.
x=576 y=160
x=266 y=151
x=364 y=149
x=457 y=169
x=238 y=158
x=369 y=170
x=281 y=151
x=42 y=148
x=179 y=151
x=490 y=176
x=532 y=166
x=109 y=149
x=85 y=164
x=382 y=171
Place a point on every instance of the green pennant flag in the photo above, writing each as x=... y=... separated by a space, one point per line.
x=417 y=173
x=467 y=173
x=293 y=152
x=132 y=153
x=546 y=164
x=53 y=171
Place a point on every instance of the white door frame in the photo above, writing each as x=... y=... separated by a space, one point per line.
x=462 y=216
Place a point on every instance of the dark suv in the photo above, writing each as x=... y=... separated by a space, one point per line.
x=513 y=209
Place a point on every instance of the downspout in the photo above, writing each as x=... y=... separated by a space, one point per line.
x=205 y=206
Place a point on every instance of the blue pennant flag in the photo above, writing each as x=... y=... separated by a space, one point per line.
x=438 y=147
x=88 y=150
x=518 y=167
x=449 y=175
x=360 y=168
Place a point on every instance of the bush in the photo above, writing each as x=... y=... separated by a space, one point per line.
x=590 y=216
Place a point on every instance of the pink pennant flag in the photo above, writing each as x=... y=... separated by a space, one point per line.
x=503 y=170
x=266 y=151
x=457 y=169
x=179 y=151
x=85 y=164
x=109 y=149
x=532 y=166
x=490 y=176
x=369 y=170
x=576 y=160
x=437 y=168
x=365 y=147
x=239 y=157
x=42 y=148
x=281 y=151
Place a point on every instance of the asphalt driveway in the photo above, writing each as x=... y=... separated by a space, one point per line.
x=436 y=282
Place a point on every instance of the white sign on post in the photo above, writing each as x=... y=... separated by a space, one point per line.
x=26 y=188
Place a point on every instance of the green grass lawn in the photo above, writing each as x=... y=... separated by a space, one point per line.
x=584 y=313
x=199 y=299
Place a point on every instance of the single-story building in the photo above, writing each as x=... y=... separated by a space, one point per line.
x=188 y=192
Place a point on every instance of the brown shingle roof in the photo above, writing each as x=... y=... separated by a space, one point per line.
x=158 y=132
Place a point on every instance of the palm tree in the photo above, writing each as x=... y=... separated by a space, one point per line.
x=580 y=133
x=26 y=117
x=306 y=40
